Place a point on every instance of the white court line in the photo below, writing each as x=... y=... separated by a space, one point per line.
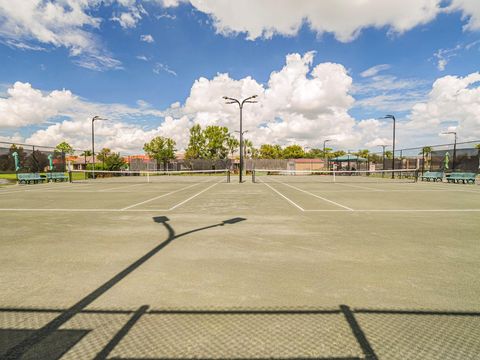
x=158 y=197
x=192 y=197
x=323 y=210
x=360 y=187
x=120 y=187
x=317 y=196
x=400 y=210
x=286 y=198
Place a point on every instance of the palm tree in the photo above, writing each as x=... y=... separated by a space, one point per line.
x=426 y=153
x=232 y=145
x=247 y=147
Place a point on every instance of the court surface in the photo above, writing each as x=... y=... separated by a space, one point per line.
x=206 y=269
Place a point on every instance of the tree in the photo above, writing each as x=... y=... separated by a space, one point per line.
x=86 y=153
x=161 y=149
x=104 y=154
x=114 y=162
x=477 y=146
x=388 y=154
x=314 y=154
x=232 y=145
x=338 y=153
x=363 y=153
x=293 y=152
x=196 y=144
x=65 y=148
x=268 y=151
x=216 y=142
x=247 y=148
x=426 y=152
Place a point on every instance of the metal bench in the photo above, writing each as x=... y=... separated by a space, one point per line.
x=29 y=178
x=57 y=176
x=432 y=176
x=459 y=177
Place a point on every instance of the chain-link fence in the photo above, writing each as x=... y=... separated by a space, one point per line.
x=264 y=333
x=461 y=156
x=30 y=158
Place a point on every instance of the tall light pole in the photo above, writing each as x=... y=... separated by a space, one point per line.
x=95 y=118
x=383 y=159
x=454 y=147
x=325 y=158
x=393 y=143
x=230 y=100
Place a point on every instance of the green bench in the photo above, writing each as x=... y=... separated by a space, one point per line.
x=29 y=178
x=57 y=176
x=432 y=176
x=458 y=177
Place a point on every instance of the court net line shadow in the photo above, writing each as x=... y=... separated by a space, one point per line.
x=135 y=315
x=17 y=351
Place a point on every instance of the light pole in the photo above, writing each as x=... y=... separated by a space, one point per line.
x=230 y=100
x=325 y=158
x=393 y=143
x=454 y=147
x=383 y=159
x=96 y=117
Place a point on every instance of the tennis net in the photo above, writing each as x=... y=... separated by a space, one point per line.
x=191 y=176
x=335 y=176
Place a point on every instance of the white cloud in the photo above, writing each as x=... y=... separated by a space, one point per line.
x=301 y=103
x=159 y=67
x=444 y=56
x=142 y=57
x=67 y=23
x=452 y=99
x=147 y=38
x=26 y=106
x=67 y=117
x=374 y=70
x=344 y=18
x=471 y=12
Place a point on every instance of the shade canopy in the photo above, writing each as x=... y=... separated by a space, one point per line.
x=348 y=157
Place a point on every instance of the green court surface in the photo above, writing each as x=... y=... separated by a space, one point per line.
x=207 y=269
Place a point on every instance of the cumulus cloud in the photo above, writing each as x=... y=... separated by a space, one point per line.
x=27 y=106
x=300 y=103
x=65 y=116
x=453 y=99
x=344 y=18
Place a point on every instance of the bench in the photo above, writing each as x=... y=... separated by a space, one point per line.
x=432 y=175
x=29 y=178
x=458 y=177
x=57 y=176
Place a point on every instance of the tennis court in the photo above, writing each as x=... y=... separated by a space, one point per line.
x=284 y=267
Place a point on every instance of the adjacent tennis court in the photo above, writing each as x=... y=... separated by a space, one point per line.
x=289 y=265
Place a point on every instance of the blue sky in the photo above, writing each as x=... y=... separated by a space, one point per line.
x=108 y=68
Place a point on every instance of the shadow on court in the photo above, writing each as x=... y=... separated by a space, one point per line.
x=32 y=343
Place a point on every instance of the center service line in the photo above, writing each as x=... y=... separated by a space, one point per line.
x=317 y=196
x=286 y=198
x=192 y=197
x=158 y=197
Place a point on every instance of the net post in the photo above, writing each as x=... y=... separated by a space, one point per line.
x=334 y=173
x=228 y=175
x=148 y=177
x=70 y=180
x=253 y=176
